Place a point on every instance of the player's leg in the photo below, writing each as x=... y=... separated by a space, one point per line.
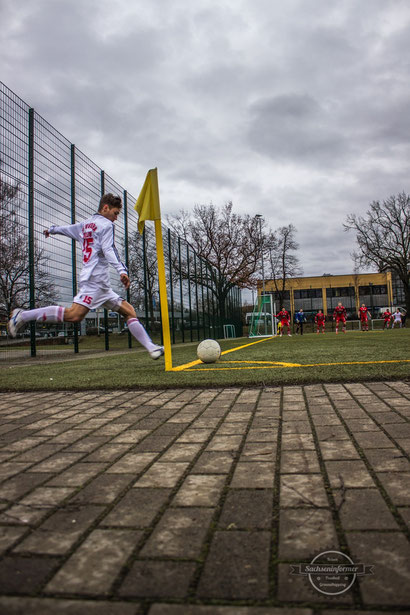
x=344 y=325
x=337 y=325
x=137 y=330
x=52 y=313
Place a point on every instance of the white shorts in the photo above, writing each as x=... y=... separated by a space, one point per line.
x=91 y=296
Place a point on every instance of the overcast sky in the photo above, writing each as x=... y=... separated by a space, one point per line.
x=295 y=109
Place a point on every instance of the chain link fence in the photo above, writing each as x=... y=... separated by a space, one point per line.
x=46 y=180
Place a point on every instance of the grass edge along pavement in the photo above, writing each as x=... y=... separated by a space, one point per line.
x=300 y=360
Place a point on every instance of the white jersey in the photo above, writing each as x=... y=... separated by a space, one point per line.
x=97 y=238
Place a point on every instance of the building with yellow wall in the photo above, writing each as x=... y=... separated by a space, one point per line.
x=324 y=292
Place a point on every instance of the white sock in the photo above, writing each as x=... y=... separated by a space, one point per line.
x=52 y=313
x=137 y=330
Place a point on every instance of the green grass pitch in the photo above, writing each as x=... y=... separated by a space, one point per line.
x=355 y=356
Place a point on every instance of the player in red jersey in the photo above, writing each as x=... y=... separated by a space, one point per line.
x=320 y=321
x=284 y=318
x=387 y=317
x=340 y=315
x=364 y=315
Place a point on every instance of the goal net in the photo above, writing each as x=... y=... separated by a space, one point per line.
x=263 y=321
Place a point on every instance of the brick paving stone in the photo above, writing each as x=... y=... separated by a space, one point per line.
x=232 y=428
x=104 y=489
x=195 y=435
x=52 y=606
x=108 y=452
x=305 y=532
x=18 y=486
x=179 y=534
x=331 y=432
x=302 y=490
x=258 y=451
x=254 y=474
x=373 y=439
x=137 y=508
x=297 y=442
x=131 y=436
x=297 y=588
x=349 y=473
x=131 y=462
x=404 y=443
x=154 y=444
x=22 y=575
x=338 y=450
x=56 y=463
x=87 y=444
x=181 y=452
x=361 y=425
x=213 y=463
x=262 y=435
x=60 y=531
x=78 y=474
x=405 y=514
x=162 y=474
x=296 y=427
x=199 y=490
x=9 y=536
x=390 y=554
x=247 y=509
x=365 y=509
x=299 y=462
x=237 y=566
x=175 y=609
x=224 y=443
x=39 y=453
x=158 y=579
x=41 y=500
x=387 y=460
x=96 y=563
x=397 y=486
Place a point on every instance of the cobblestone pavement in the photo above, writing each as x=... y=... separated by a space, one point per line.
x=197 y=502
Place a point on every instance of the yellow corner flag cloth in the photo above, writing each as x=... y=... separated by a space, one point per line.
x=147 y=204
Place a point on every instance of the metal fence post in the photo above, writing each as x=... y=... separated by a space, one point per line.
x=181 y=289
x=106 y=334
x=144 y=258
x=73 y=244
x=127 y=255
x=196 y=300
x=31 y=249
x=171 y=291
x=189 y=293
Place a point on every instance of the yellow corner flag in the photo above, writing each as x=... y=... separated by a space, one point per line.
x=148 y=208
x=147 y=204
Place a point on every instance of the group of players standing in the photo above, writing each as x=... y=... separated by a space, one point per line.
x=339 y=316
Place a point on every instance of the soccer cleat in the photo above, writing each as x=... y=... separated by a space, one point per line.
x=157 y=353
x=15 y=323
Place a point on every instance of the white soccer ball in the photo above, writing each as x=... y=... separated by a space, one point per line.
x=208 y=351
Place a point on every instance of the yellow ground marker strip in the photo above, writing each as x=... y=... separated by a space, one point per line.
x=272 y=365
x=181 y=368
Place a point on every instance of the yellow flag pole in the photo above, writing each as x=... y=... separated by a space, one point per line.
x=163 y=296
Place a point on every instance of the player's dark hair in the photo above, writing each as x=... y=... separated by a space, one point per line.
x=111 y=200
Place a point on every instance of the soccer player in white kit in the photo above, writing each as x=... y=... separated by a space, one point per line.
x=97 y=238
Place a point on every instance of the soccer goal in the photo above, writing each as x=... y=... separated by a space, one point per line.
x=263 y=321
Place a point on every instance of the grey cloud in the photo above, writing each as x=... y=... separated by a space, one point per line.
x=295 y=127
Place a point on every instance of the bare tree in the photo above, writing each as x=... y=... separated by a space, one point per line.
x=283 y=260
x=143 y=282
x=383 y=238
x=14 y=257
x=231 y=243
